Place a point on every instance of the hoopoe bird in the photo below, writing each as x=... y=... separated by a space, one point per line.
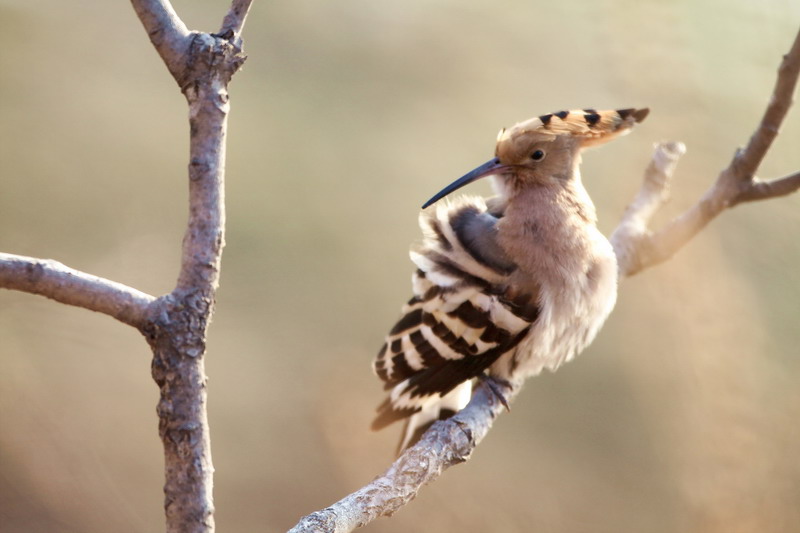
x=506 y=286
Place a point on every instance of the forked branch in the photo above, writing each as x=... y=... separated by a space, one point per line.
x=175 y=324
x=450 y=442
x=638 y=248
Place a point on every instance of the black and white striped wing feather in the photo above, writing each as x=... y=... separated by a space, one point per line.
x=462 y=316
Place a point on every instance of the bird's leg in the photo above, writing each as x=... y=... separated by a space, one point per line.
x=496 y=385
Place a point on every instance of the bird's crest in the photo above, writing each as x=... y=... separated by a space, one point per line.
x=589 y=125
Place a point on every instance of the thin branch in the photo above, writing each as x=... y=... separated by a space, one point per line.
x=169 y=35
x=233 y=23
x=746 y=164
x=641 y=248
x=446 y=444
x=653 y=194
x=761 y=190
x=72 y=287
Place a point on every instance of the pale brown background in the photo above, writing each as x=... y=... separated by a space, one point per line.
x=683 y=415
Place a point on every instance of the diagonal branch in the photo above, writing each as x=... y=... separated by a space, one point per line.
x=233 y=23
x=632 y=230
x=169 y=35
x=72 y=287
x=446 y=444
x=746 y=163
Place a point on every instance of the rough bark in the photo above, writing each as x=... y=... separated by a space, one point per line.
x=177 y=335
x=637 y=248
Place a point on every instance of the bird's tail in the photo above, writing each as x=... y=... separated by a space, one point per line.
x=437 y=408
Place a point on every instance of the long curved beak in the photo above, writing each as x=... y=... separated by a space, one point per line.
x=490 y=167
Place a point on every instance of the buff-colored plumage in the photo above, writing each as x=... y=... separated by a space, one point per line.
x=508 y=286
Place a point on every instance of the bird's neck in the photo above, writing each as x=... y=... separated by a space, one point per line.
x=549 y=230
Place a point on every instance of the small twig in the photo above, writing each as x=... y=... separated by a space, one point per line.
x=233 y=22
x=761 y=190
x=446 y=444
x=72 y=287
x=169 y=35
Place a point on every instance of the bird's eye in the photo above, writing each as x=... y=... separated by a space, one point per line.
x=538 y=155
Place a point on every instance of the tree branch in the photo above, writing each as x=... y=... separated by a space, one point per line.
x=445 y=444
x=761 y=190
x=175 y=325
x=654 y=193
x=169 y=35
x=234 y=21
x=639 y=248
x=72 y=287
x=450 y=442
x=745 y=164
x=203 y=65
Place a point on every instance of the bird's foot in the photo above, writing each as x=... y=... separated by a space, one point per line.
x=496 y=385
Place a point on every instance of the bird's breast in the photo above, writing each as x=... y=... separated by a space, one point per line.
x=575 y=298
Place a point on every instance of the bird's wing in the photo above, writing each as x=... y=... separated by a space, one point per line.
x=463 y=315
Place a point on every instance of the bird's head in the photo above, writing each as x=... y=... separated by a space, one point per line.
x=547 y=147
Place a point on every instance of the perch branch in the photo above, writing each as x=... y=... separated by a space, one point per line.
x=452 y=441
x=445 y=444
x=69 y=286
x=638 y=248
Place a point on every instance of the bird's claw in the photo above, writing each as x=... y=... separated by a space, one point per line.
x=496 y=385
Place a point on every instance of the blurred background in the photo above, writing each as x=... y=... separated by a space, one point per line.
x=682 y=416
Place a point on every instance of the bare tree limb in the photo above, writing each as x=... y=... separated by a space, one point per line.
x=746 y=163
x=735 y=184
x=446 y=444
x=72 y=287
x=450 y=442
x=175 y=325
x=203 y=65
